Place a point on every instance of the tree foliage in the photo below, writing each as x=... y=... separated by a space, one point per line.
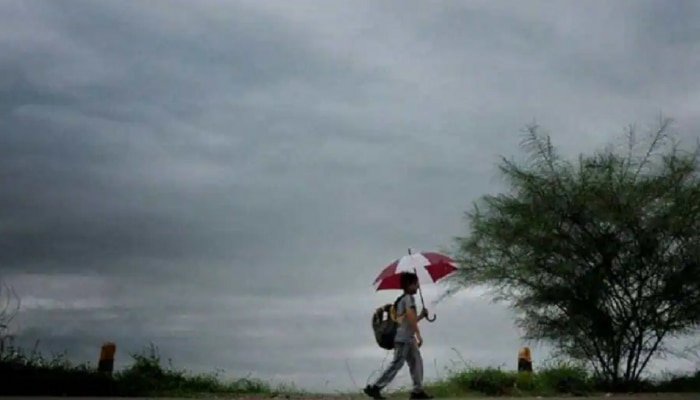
x=600 y=255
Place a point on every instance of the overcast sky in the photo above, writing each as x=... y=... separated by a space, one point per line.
x=226 y=178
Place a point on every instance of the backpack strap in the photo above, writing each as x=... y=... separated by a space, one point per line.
x=394 y=309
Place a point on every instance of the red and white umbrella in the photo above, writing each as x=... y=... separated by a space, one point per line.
x=429 y=266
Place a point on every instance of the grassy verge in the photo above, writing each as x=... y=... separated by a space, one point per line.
x=36 y=375
x=560 y=379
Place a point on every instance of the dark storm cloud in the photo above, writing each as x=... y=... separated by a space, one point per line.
x=205 y=175
x=150 y=161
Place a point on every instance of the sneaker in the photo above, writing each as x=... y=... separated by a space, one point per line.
x=420 y=395
x=373 y=392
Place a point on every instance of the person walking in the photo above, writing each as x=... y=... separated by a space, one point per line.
x=407 y=343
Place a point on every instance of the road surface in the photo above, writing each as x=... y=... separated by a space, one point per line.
x=661 y=396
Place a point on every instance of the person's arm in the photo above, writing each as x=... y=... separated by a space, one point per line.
x=413 y=318
x=412 y=304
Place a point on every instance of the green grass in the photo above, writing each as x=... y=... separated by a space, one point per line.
x=554 y=379
x=35 y=374
x=561 y=379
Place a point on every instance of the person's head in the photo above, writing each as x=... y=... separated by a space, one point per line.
x=409 y=282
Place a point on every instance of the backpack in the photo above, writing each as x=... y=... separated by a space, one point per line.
x=385 y=324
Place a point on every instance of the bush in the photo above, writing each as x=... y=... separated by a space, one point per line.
x=147 y=377
x=35 y=380
x=564 y=378
x=677 y=383
x=490 y=381
x=34 y=375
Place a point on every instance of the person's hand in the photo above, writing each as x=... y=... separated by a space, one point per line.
x=423 y=313
x=419 y=339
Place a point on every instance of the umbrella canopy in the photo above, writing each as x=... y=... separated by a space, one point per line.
x=430 y=267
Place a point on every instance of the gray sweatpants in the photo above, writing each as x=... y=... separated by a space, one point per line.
x=404 y=353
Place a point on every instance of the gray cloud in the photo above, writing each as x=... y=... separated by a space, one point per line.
x=206 y=175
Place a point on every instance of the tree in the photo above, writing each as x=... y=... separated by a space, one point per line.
x=598 y=256
x=9 y=307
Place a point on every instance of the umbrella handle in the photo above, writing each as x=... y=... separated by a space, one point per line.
x=420 y=293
